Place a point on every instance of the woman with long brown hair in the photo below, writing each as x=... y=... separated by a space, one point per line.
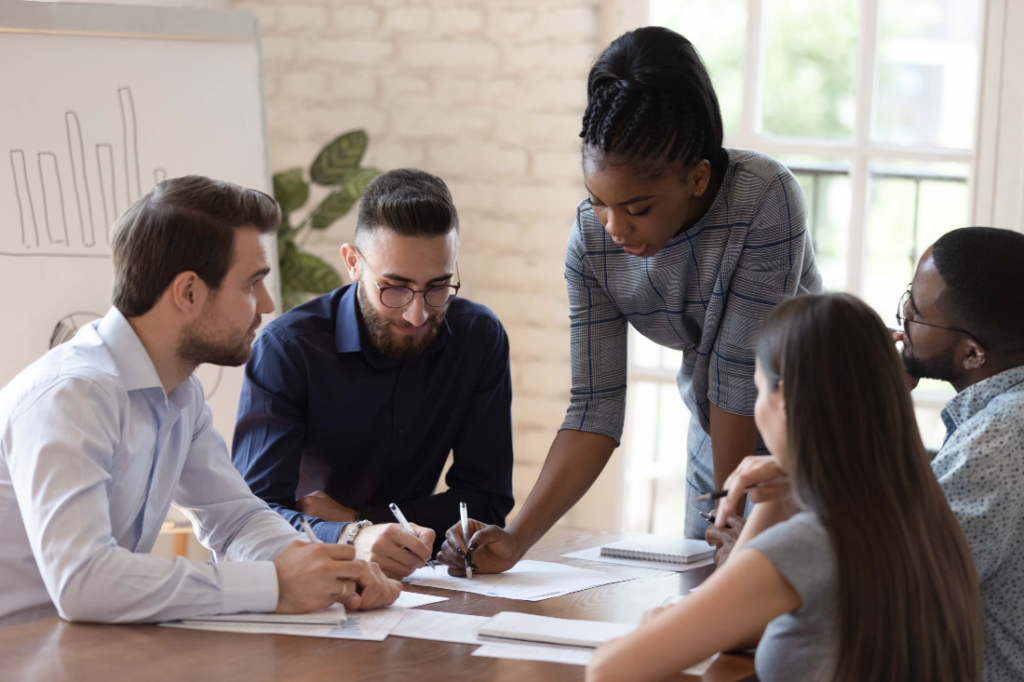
x=854 y=568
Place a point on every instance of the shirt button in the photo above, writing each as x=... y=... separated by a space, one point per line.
x=400 y=430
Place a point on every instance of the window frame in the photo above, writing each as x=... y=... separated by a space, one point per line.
x=859 y=153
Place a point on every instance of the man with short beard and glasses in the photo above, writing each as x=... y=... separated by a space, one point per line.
x=962 y=321
x=354 y=400
x=103 y=433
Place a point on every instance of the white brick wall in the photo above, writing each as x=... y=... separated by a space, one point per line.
x=488 y=94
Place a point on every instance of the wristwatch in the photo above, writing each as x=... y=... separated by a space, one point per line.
x=354 y=529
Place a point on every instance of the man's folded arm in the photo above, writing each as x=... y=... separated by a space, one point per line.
x=60 y=475
x=271 y=427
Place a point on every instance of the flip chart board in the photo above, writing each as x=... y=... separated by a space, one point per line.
x=100 y=103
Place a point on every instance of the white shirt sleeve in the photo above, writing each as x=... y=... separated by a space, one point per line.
x=61 y=472
x=226 y=516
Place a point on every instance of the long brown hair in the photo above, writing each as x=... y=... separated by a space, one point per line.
x=907 y=601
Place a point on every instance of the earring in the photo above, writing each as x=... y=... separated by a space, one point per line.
x=698 y=192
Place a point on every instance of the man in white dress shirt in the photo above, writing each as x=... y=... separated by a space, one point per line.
x=103 y=433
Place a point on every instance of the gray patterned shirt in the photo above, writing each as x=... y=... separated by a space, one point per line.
x=981 y=469
x=706 y=293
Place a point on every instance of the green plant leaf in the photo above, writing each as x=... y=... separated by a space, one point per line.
x=290 y=190
x=333 y=207
x=291 y=298
x=341 y=155
x=303 y=271
x=340 y=202
x=355 y=181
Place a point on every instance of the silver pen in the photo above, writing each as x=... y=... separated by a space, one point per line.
x=407 y=528
x=464 y=513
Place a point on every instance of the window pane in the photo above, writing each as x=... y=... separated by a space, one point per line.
x=643 y=427
x=669 y=503
x=655 y=471
x=719 y=32
x=646 y=354
x=927 y=72
x=912 y=205
x=810 y=55
x=826 y=186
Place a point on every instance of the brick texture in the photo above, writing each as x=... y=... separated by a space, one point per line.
x=488 y=94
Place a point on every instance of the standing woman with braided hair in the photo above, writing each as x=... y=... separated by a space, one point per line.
x=691 y=243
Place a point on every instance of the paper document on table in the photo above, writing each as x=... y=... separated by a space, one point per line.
x=440 y=626
x=594 y=554
x=662 y=548
x=561 y=654
x=702 y=667
x=527 y=580
x=333 y=615
x=410 y=600
x=372 y=626
x=532 y=628
x=529 y=652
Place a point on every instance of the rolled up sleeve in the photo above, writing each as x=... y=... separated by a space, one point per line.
x=598 y=337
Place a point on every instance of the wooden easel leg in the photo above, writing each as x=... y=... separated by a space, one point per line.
x=181 y=544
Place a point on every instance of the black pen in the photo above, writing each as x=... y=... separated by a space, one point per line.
x=707 y=517
x=718 y=494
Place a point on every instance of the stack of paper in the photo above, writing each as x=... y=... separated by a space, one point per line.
x=562 y=654
x=333 y=615
x=527 y=580
x=531 y=628
x=331 y=622
x=372 y=626
x=660 y=548
x=440 y=626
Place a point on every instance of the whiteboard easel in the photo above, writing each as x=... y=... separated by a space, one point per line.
x=100 y=102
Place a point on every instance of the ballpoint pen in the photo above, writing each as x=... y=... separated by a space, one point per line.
x=311 y=536
x=464 y=513
x=718 y=494
x=407 y=528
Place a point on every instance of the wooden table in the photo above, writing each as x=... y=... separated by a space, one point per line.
x=52 y=650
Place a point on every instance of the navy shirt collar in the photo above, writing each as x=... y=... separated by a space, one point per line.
x=349 y=336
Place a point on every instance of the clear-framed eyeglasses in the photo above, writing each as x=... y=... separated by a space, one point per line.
x=902 y=319
x=437 y=296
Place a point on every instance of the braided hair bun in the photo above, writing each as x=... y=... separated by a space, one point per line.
x=650 y=103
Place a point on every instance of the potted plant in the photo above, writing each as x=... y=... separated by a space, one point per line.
x=336 y=166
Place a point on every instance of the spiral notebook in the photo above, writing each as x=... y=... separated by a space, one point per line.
x=660 y=548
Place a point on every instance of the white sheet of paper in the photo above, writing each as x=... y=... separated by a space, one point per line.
x=594 y=554
x=440 y=626
x=532 y=628
x=333 y=615
x=701 y=667
x=410 y=600
x=528 y=652
x=527 y=580
x=561 y=654
x=372 y=626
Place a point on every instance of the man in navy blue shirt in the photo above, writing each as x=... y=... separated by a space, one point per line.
x=354 y=400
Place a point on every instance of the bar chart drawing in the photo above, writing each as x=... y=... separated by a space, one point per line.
x=80 y=195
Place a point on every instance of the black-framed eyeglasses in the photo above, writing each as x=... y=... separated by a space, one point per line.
x=400 y=296
x=902 y=319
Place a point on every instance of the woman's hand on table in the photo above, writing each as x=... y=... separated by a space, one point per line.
x=492 y=549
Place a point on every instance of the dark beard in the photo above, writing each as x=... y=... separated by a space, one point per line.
x=381 y=339
x=941 y=367
x=196 y=348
